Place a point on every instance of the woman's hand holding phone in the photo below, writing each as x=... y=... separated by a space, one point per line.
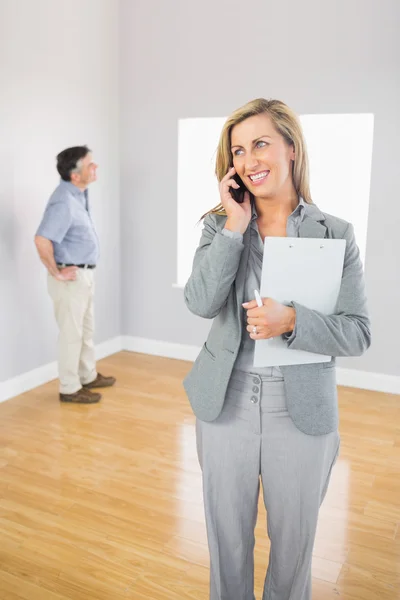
x=239 y=213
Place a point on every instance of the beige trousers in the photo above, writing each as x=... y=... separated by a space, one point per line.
x=73 y=308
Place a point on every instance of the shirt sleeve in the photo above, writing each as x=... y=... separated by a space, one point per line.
x=56 y=221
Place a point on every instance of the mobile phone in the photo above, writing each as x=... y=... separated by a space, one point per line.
x=238 y=193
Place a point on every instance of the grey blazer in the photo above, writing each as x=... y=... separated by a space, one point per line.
x=215 y=291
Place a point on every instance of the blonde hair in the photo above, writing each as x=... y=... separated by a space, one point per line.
x=286 y=123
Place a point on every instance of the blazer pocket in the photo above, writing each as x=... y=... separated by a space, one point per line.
x=207 y=351
x=199 y=382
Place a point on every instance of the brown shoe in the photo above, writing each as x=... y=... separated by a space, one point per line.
x=82 y=396
x=99 y=382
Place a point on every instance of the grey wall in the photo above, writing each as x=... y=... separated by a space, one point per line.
x=59 y=87
x=189 y=59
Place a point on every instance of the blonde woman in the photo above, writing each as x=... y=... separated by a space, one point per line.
x=277 y=425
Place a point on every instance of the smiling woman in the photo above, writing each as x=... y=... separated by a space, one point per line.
x=263 y=164
x=277 y=424
x=328 y=136
x=261 y=140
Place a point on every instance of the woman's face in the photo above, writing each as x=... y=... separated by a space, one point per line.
x=261 y=156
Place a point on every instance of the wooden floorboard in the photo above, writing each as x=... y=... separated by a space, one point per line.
x=104 y=502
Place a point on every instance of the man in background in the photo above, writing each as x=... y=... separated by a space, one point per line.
x=68 y=246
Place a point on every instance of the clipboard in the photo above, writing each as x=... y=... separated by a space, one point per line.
x=308 y=271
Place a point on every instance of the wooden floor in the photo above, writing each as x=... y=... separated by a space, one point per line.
x=104 y=502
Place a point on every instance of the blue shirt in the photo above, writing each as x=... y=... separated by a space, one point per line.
x=68 y=224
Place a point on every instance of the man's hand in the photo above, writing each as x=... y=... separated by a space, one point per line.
x=271 y=320
x=66 y=274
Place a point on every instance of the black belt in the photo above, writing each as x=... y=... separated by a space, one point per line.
x=63 y=265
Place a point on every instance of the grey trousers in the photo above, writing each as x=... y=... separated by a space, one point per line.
x=254 y=439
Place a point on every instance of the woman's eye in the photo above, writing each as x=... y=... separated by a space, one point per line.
x=261 y=144
x=238 y=152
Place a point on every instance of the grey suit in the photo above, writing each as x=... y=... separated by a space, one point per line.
x=215 y=291
x=253 y=427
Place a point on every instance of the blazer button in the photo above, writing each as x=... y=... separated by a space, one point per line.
x=256 y=389
x=254 y=399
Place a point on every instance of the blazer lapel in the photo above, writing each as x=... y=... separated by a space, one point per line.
x=311 y=226
x=311 y=229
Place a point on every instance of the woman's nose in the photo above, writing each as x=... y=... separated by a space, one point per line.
x=250 y=163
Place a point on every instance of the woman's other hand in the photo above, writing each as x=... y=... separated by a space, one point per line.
x=270 y=320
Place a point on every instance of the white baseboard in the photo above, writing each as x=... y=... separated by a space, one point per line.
x=378 y=382
x=109 y=347
x=27 y=381
x=32 y=379
x=159 y=348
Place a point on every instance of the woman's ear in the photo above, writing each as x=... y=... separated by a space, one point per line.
x=292 y=153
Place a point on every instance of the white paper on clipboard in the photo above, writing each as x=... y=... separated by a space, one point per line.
x=308 y=271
